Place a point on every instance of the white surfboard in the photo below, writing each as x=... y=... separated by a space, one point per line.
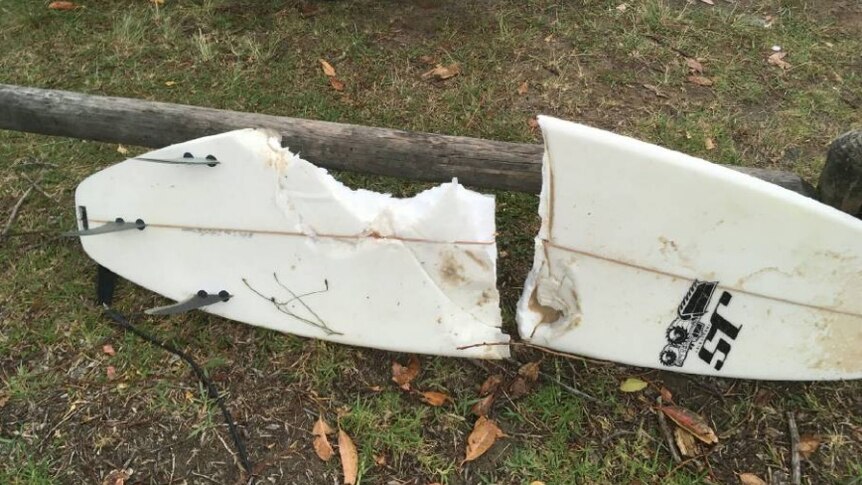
x=654 y=258
x=297 y=251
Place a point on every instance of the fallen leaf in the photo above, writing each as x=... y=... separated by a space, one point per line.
x=750 y=479
x=529 y=371
x=708 y=2
x=122 y=151
x=633 y=384
x=435 y=398
x=327 y=68
x=777 y=59
x=700 y=80
x=321 y=443
x=170 y=83
x=483 y=406
x=380 y=460
x=694 y=65
x=523 y=88
x=807 y=445
x=533 y=122
x=62 y=6
x=490 y=385
x=485 y=433
x=666 y=395
x=111 y=372
x=427 y=60
x=4 y=398
x=691 y=422
x=402 y=375
x=518 y=388
x=685 y=442
x=336 y=84
x=442 y=73
x=116 y=477
x=537 y=482
x=709 y=144
x=108 y=348
x=375 y=388
x=622 y=7
x=349 y=458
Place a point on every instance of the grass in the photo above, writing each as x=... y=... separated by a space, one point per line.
x=589 y=61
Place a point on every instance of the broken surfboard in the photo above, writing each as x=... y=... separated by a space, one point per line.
x=266 y=238
x=654 y=258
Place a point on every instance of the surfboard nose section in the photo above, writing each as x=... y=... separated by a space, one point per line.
x=654 y=258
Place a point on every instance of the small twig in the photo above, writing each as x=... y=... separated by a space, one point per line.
x=665 y=429
x=14 y=213
x=36 y=183
x=794 y=449
x=569 y=388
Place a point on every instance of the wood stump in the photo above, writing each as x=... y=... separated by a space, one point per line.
x=841 y=180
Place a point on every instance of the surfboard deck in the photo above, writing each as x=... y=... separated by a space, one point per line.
x=297 y=251
x=654 y=258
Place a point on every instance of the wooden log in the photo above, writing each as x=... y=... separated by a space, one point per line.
x=841 y=179
x=418 y=156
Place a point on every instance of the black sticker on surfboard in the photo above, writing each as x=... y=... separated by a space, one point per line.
x=711 y=338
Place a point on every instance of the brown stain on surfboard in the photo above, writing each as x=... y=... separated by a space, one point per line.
x=451 y=270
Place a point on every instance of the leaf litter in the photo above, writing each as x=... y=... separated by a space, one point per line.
x=349 y=458
x=322 y=447
x=482 y=438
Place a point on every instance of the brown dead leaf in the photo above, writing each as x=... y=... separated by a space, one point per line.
x=808 y=445
x=116 y=477
x=4 y=398
x=402 y=375
x=427 y=60
x=518 y=388
x=111 y=372
x=380 y=460
x=328 y=70
x=534 y=127
x=685 y=443
x=750 y=479
x=483 y=407
x=529 y=371
x=694 y=66
x=62 y=6
x=523 y=88
x=336 y=84
x=490 y=385
x=349 y=458
x=700 y=80
x=484 y=435
x=441 y=73
x=108 y=348
x=321 y=443
x=709 y=143
x=777 y=59
x=666 y=395
x=537 y=482
x=434 y=398
x=691 y=422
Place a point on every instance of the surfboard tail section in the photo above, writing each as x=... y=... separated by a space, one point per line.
x=654 y=258
x=298 y=251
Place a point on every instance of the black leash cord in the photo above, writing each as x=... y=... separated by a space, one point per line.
x=212 y=392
